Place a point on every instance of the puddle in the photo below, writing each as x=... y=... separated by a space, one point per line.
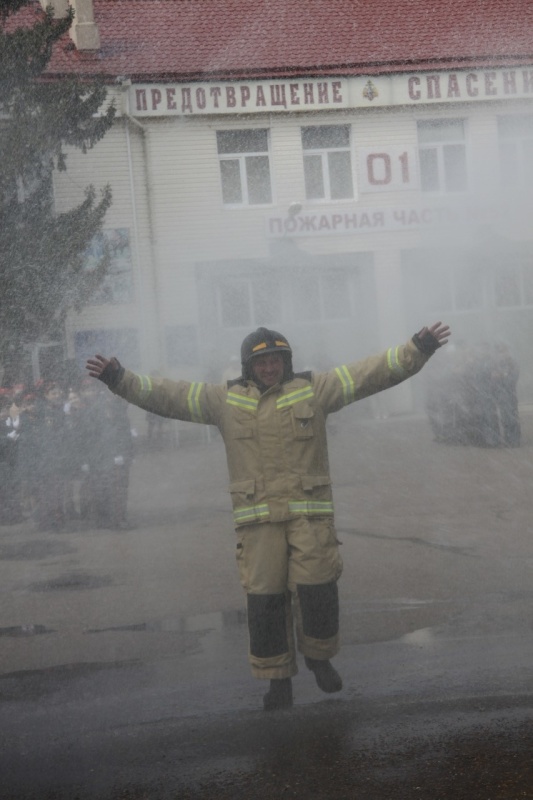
x=419 y=541
x=35 y=684
x=207 y=634
x=402 y=603
x=72 y=581
x=140 y=626
x=193 y=635
x=395 y=619
x=25 y=630
x=422 y=636
x=34 y=550
x=199 y=623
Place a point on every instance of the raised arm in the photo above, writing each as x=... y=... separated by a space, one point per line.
x=107 y=370
x=350 y=382
x=430 y=339
x=192 y=401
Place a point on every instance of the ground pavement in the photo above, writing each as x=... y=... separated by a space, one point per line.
x=123 y=668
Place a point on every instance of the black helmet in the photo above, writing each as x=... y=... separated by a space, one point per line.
x=265 y=341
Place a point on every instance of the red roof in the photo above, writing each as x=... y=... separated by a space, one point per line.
x=200 y=39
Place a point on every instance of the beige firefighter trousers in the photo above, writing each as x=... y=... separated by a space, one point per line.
x=289 y=571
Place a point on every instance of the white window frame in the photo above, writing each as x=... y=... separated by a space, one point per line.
x=521 y=175
x=515 y=268
x=439 y=146
x=250 y=285
x=322 y=279
x=449 y=283
x=241 y=157
x=323 y=153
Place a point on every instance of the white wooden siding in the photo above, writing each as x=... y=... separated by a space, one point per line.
x=178 y=200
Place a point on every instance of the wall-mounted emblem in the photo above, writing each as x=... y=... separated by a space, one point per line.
x=370 y=91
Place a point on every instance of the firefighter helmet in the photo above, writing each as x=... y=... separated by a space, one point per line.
x=264 y=341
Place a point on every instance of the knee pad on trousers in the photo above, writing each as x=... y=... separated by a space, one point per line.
x=267 y=624
x=319 y=607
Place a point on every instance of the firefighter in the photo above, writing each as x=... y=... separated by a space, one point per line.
x=273 y=423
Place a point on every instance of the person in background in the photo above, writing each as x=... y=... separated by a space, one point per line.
x=121 y=448
x=472 y=396
x=441 y=402
x=10 y=507
x=73 y=414
x=53 y=462
x=13 y=498
x=4 y=461
x=273 y=423
x=484 y=422
x=507 y=372
x=105 y=453
x=28 y=453
x=84 y=443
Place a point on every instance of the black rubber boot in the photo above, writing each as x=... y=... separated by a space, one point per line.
x=326 y=676
x=279 y=695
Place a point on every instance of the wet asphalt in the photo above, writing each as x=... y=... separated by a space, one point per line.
x=123 y=669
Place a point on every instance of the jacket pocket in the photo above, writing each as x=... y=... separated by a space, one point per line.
x=242 y=492
x=319 y=485
x=303 y=421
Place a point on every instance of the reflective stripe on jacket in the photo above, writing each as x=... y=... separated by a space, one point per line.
x=275 y=442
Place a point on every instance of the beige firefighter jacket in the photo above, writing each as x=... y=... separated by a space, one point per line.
x=275 y=442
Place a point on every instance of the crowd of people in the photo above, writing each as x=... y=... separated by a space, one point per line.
x=64 y=455
x=472 y=396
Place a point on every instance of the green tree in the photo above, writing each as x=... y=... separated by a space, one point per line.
x=42 y=273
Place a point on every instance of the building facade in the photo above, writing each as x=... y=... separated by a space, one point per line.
x=345 y=207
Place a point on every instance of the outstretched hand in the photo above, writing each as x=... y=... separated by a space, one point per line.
x=97 y=365
x=439 y=331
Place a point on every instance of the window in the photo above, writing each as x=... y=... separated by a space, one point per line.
x=327 y=162
x=515 y=135
x=322 y=295
x=467 y=286
x=513 y=283
x=245 y=301
x=235 y=303
x=244 y=167
x=442 y=155
x=442 y=281
x=453 y=281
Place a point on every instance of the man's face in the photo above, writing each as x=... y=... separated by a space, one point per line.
x=268 y=368
x=54 y=396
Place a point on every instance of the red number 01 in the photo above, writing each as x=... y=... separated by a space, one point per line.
x=384 y=161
